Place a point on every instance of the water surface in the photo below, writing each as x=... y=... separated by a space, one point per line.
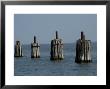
x=27 y=66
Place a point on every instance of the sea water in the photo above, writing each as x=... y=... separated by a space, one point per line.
x=43 y=66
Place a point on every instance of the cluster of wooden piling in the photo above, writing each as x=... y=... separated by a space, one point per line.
x=83 y=50
x=56 y=48
x=35 y=51
x=18 y=50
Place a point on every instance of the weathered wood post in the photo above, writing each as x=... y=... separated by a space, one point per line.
x=35 y=51
x=56 y=48
x=83 y=50
x=18 y=50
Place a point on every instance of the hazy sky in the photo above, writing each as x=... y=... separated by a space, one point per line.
x=43 y=26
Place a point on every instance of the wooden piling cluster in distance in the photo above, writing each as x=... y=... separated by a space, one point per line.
x=57 y=48
x=35 y=51
x=83 y=50
x=18 y=49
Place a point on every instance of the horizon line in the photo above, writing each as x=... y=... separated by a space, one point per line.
x=63 y=43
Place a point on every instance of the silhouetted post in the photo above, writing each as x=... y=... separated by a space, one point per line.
x=57 y=48
x=18 y=50
x=35 y=51
x=34 y=39
x=83 y=50
x=56 y=34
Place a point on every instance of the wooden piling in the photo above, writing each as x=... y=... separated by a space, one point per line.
x=57 y=48
x=35 y=51
x=83 y=50
x=18 y=50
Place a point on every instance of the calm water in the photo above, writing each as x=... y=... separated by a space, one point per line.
x=25 y=66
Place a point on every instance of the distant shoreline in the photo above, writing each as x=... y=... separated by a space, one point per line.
x=63 y=43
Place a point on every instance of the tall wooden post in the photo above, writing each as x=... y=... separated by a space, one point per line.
x=18 y=50
x=57 y=48
x=83 y=50
x=56 y=34
x=35 y=51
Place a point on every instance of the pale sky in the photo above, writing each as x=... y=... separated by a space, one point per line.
x=43 y=26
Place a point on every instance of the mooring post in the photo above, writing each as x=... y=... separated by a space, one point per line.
x=35 y=51
x=18 y=50
x=56 y=48
x=83 y=50
x=82 y=36
x=56 y=34
x=34 y=39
